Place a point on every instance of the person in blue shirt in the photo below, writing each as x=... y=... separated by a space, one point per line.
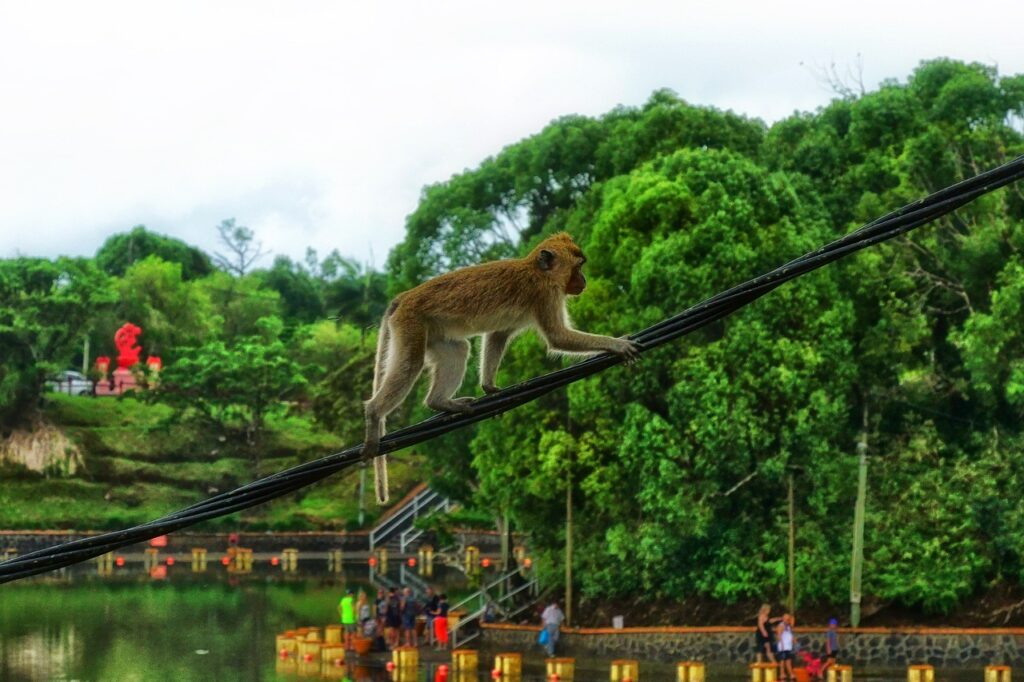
x=831 y=645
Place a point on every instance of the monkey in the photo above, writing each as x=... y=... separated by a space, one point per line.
x=429 y=326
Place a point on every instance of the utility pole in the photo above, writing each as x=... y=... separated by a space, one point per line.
x=568 y=546
x=503 y=526
x=362 y=490
x=857 y=562
x=791 y=601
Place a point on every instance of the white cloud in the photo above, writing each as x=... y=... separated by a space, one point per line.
x=318 y=123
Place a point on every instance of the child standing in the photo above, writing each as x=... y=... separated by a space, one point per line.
x=785 y=650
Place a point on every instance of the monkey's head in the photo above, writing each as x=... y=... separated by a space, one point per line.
x=561 y=261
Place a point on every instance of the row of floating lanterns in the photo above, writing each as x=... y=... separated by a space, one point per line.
x=240 y=560
x=305 y=646
x=471 y=559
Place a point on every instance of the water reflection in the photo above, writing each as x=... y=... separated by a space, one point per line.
x=179 y=626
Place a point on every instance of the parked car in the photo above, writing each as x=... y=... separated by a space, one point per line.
x=71 y=382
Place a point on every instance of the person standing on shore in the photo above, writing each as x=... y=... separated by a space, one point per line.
x=430 y=605
x=347 y=611
x=441 y=623
x=831 y=644
x=380 y=609
x=785 y=648
x=393 y=619
x=763 y=635
x=408 y=610
x=552 y=619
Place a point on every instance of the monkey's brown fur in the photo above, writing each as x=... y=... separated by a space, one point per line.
x=430 y=324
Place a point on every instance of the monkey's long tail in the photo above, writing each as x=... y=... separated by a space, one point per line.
x=380 y=464
x=380 y=479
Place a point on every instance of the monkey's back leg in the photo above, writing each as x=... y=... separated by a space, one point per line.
x=447 y=360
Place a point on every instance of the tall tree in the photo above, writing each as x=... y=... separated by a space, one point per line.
x=242 y=249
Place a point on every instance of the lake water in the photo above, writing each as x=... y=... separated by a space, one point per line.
x=213 y=627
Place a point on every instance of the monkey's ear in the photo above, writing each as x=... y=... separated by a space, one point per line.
x=545 y=260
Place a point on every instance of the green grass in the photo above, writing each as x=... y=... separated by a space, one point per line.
x=73 y=410
x=139 y=467
x=76 y=504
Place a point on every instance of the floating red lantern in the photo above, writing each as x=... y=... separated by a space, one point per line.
x=390 y=666
x=158 y=541
x=495 y=674
x=485 y=562
x=527 y=562
x=411 y=562
x=274 y=561
x=225 y=560
x=372 y=561
x=119 y=561
x=283 y=653
x=308 y=658
x=553 y=677
x=170 y=561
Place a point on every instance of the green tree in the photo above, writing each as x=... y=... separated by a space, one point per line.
x=301 y=300
x=232 y=386
x=44 y=308
x=171 y=311
x=240 y=302
x=121 y=251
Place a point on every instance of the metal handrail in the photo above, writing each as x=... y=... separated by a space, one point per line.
x=479 y=612
x=412 y=533
x=396 y=519
x=411 y=508
x=494 y=583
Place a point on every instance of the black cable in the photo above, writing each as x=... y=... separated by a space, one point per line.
x=715 y=308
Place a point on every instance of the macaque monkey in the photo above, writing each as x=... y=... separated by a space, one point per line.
x=430 y=324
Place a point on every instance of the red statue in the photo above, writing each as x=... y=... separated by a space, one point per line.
x=127 y=351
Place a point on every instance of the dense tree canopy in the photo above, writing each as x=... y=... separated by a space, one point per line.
x=122 y=250
x=679 y=467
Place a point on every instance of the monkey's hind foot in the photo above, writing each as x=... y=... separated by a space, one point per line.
x=490 y=390
x=453 y=405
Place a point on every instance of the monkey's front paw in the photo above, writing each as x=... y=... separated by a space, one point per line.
x=490 y=388
x=628 y=350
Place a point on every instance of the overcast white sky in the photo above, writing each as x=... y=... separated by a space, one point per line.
x=318 y=123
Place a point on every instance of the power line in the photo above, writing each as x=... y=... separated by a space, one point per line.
x=715 y=308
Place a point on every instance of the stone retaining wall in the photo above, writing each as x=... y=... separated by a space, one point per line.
x=870 y=647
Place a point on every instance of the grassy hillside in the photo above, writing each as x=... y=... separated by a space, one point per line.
x=133 y=467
